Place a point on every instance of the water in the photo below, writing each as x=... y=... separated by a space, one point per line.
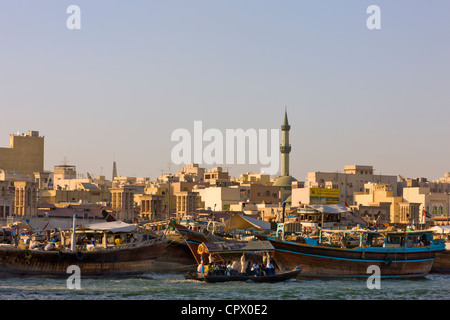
x=158 y=286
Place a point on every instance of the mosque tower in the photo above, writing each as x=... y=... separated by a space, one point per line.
x=285 y=147
x=284 y=182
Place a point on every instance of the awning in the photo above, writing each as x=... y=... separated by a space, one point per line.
x=238 y=221
x=238 y=246
x=331 y=208
x=440 y=229
x=113 y=226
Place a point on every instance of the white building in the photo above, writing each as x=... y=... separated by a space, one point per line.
x=219 y=198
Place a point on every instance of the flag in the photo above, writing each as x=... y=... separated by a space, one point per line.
x=346 y=204
x=426 y=214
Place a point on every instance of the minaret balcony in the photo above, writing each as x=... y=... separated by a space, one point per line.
x=285 y=149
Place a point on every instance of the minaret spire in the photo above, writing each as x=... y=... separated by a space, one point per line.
x=285 y=147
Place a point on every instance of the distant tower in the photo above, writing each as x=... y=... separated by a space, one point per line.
x=114 y=173
x=284 y=182
x=285 y=147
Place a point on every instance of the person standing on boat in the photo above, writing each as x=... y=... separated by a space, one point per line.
x=243 y=265
x=248 y=270
x=201 y=268
x=234 y=268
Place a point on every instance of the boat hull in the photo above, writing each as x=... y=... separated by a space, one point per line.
x=278 y=277
x=176 y=258
x=321 y=261
x=193 y=240
x=130 y=260
x=441 y=263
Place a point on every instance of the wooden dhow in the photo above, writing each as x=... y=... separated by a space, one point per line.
x=107 y=259
x=397 y=254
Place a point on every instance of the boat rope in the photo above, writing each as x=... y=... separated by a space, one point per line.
x=27 y=255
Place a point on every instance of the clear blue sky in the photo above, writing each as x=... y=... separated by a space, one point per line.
x=137 y=70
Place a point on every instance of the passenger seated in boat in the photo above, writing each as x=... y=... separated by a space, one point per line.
x=209 y=269
x=216 y=269
x=262 y=270
x=222 y=269
x=228 y=269
x=33 y=245
x=270 y=269
x=255 y=269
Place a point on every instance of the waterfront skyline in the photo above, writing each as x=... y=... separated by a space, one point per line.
x=117 y=88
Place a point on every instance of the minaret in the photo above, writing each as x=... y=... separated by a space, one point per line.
x=114 y=173
x=285 y=147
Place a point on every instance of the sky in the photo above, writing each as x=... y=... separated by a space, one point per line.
x=136 y=71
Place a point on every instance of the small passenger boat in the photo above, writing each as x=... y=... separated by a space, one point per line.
x=241 y=247
x=277 y=277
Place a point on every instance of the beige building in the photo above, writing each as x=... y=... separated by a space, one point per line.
x=25 y=199
x=90 y=194
x=186 y=203
x=25 y=154
x=6 y=199
x=350 y=181
x=191 y=173
x=259 y=178
x=122 y=202
x=435 y=204
x=314 y=195
x=216 y=176
x=152 y=207
x=376 y=214
x=219 y=198
x=409 y=213
x=402 y=211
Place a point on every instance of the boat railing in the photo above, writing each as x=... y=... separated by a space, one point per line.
x=123 y=246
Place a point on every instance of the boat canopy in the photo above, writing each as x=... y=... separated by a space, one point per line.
x=381 y=232
x=238 y=246
x=331 y=208
x=440 y=229
x=239 y=221
x=113 y=226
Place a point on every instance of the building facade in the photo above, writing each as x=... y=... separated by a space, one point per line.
x=122 y=202
x=350 y=181
x=25 y=154
x=25 y=199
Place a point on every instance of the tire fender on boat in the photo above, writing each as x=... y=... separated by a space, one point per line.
x=79 y=255
x=388 y=260
x=201 y=249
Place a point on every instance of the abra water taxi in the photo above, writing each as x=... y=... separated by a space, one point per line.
x=240 y=247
